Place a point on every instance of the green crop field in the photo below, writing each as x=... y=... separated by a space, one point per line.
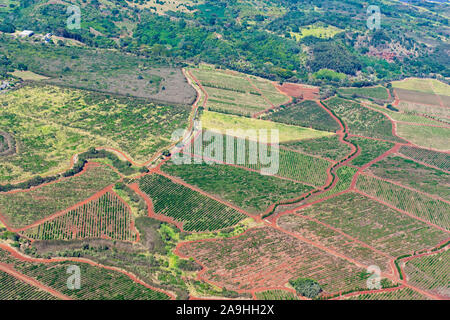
x=431 y=272
x=361 y=120
x=221 y=123
x=106 y=217
x=24 y=207
x=375 y=224
x=196 y=211
x=305 y=114
x=378 y=92
x=14 y=289
x=438 y=159
x=427 y=137
x=248 y=190
x=420 y=205
x=414 y=175
x=370 y=149
x=423 y=85
x=96 y=283
x=327 y=147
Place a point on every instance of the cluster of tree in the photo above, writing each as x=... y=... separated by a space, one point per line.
x=308 y=288
x=334 y=56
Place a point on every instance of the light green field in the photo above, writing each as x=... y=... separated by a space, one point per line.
x=28 y=75
x=428 y=137
x=407 y=117
x=423 y=85
x=51 y=124
x=221 y=122
x=316 y=30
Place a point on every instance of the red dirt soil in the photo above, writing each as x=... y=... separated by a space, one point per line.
x=299 y=91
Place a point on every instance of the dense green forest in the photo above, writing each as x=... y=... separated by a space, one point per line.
x=278 y=39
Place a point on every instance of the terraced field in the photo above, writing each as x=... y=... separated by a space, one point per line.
x=51 y=124
x=264 y=258
x=248 y=190
x=375 y=224
x=23 y=207
x=420 y=205
x=96 y=283
x=414 y=175
x=107 y=217
x=196 y=211
x=437 y=159
x=377 y=93
x=14 y=289
x=236 y=93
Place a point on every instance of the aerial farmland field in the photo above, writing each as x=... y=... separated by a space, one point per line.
x=224 y=151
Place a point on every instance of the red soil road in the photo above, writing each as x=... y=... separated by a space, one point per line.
x=18 y=255
x=297 y=90
x=33 y=282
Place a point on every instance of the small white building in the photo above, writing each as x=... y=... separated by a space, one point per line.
x=26 y=33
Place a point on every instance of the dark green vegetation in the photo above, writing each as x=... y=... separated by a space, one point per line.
x=305 y=114
x=256 y=37
x=14 y=289
x=306 y=287
x=370 y=149
x=196 y=211
x=361 y=120
x=96 y=283
x=414 y=175
x=249 y=190
x=326 y=147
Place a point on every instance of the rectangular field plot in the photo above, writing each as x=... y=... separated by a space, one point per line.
x=418 y=97
x=14 y=289
x=361 y=120
x=437 y=159
x=197 y=212
x=248 y=190
x=326 y=236
x=305 y=114
x=22 y=208
x=420 y=205
x=96 y=283
x=431 y=273
x=375 y=224
x=264 y=257
x=414 y=175
x=327 y=147
x=398 y=294
x=269 y=91
x=107 y=218
x=427 y=137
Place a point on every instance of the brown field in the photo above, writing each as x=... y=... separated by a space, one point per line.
x=417 y=97
x=375 y=224
x=299 y=91
x=267 y=258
